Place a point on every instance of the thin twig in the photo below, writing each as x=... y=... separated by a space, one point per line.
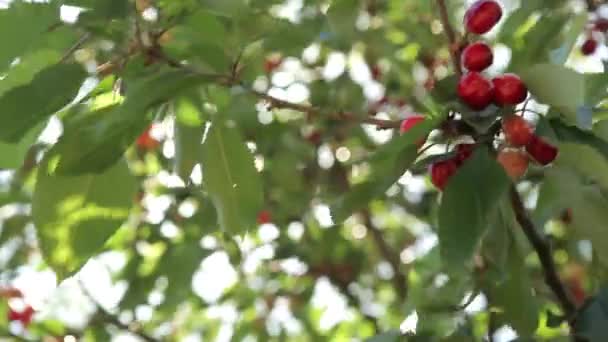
x=399 y=278
x=543 y=250
x=451 y=35
x=83 y=39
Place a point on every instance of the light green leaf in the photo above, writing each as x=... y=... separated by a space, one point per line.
x=74 y=216
x=557 y=86
x=27 y=68
x=13 y=155
x=26 y=106
x=465 y=214
x=95 y=141
x=230 y=178
x=586 y=161
x=188 y=133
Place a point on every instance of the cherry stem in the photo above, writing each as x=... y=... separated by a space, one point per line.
x=454 y=45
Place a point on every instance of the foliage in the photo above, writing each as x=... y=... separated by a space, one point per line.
x=237 y=169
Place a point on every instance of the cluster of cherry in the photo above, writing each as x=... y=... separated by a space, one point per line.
x=596 y=32
x=478 y=93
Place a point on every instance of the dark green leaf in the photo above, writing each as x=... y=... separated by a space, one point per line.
x=464 y=214
x=391 y=336
x=26 y=106
x=16 y=37
x=592 y=321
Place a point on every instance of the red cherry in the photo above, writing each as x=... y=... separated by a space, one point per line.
x=25 y=316
x=146 y=142
x=543 y=152
x=409 y=123
x=589 y=46
x=272 y=63
x=601 y=25
x=442 y=171
x=509 y=89
x=264 y=217
x=464 y=152
x=514 y=162
x=477 y=56
x=517 y=131
x=376 y=72
x=475 y=90
x=482 y=16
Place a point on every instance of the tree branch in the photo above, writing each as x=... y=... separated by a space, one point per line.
x=399 y=279
x=451 y=35
x=543 y=250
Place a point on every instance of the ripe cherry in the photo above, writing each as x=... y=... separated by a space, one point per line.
x=272 y=63
x=514 y=162
x=464 y=152
x=442 y=171
x=409 y=123
x=264 y=217
x=376 y=72
x=477 y=56
x=589 y=46
x=475 y=90
x=482 y=16
x=543 y=152
x=24 y=316
x=146 y=141
x=509 y=89
x=601 y=25
x=517 y=130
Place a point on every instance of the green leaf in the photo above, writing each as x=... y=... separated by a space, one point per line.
x=188 y=255
x=95 y=141
x=574 y=30
x=557 y=86
x=592 y=320
x=230 y=178
x=387 y=164
x=586 y=161
x=27 y=68
x=13 y=155
x=587 y=204
x=342 y=15
x=229 y=8
x=514 y=295
x=16 y=36
x=572 y=134
x=465 y=214
x=26 y=106
x=188 y=144
x=74 y=216
x=391 y=336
